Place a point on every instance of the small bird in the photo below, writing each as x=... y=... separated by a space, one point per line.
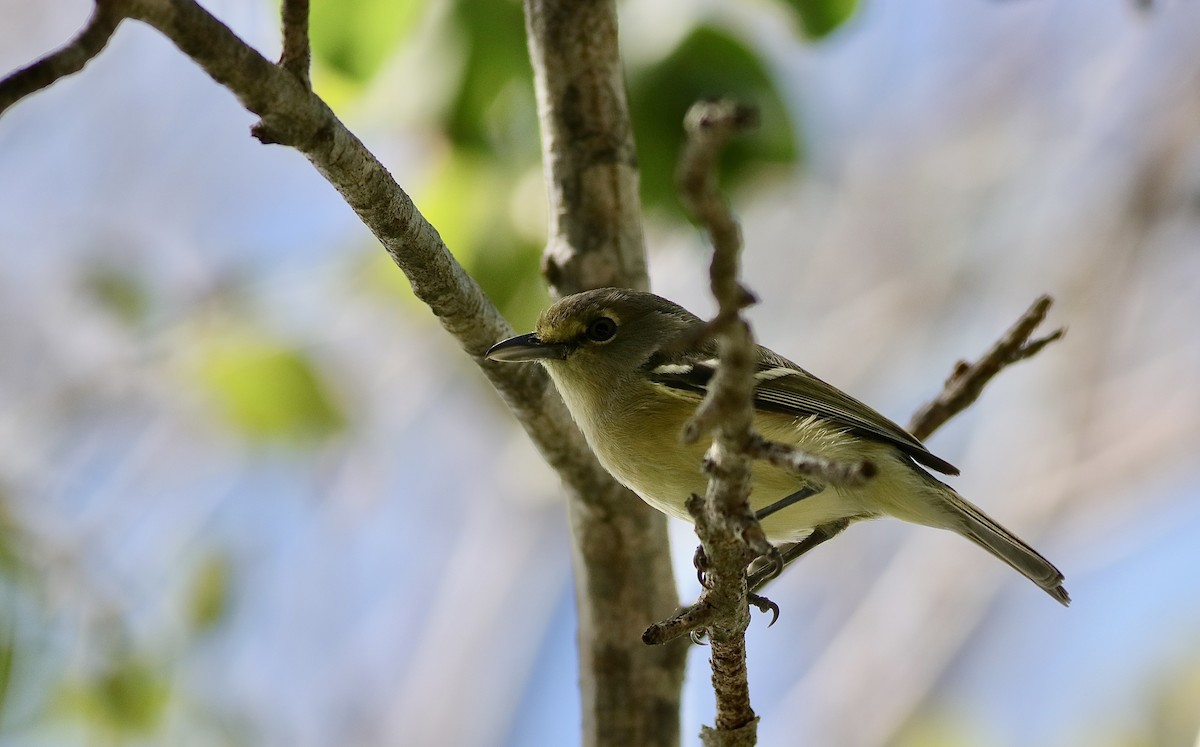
x=615 y=357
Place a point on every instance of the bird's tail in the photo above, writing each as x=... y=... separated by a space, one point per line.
x=986 y=532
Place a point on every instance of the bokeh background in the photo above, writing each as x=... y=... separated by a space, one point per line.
x=250 y=493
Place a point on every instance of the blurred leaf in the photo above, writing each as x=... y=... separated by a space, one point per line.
x=708 y=63
x=939 y=727
x=468 y=198
x=353 y=38
x=132 y=695
x=494 y=107
x=8 y=654
x=819 y=18
x=208 y=603
x=129 y=697
x=117 y=290
x=266 y=389
x=10 y=536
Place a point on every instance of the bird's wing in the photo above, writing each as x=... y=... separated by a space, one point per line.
x=784 y=387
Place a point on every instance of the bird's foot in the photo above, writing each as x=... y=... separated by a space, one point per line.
x=764 y=605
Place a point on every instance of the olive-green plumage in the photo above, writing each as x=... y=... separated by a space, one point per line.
x=613 y=355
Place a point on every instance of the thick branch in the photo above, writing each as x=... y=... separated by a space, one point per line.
x=595 y=237
x=65 y=61
x=297 y=54
x=967 y=380
x=631 y=693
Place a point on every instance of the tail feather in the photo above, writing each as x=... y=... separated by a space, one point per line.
x=986 y=532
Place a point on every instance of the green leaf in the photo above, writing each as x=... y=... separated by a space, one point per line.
x=708 y=63
x=353 y=38
x=819 y=18
x=266 y=389
x=494 y=107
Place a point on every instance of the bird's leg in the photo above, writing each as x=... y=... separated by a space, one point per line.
x=819 y=535
x=779 y=505
x=770 y=564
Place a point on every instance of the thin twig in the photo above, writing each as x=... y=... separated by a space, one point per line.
x=687 y=620
x=68 y=59
x=967 y=381
x=724 y=521
x=804 y=464
x=297 y=53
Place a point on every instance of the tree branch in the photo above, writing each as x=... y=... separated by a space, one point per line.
x=967 y=380
x=631 y=693
x=67 y=60
x=623 y=569
x=804 y=464
x=595 y=237
x=296 y=57
x=724 y=521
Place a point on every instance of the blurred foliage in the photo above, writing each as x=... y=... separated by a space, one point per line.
x=353 y=38
x=708 y=63
x=819 y=18
x=475 y=202
x=489 y=130
x=208 y=601
x=493 y=110
x=10 y=537
x=939 y=727
x=8 y=653
x=128 y=697
x=118 y=291
x=1169 y=714
x=266 y=389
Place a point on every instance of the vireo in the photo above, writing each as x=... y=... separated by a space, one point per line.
x=614 y=356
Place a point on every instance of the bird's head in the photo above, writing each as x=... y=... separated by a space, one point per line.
x=599 y=334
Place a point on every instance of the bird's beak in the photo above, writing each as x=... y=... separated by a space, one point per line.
x=526 y=348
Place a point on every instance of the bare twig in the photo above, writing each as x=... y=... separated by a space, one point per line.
x=687 y=620
x=67 y=60
x=724 y=521
x=297 y=53
x=967 y=380
x=810 y=465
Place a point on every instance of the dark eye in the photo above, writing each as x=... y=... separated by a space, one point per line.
x=601 y=329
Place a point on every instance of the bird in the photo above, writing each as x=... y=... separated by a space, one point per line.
x=616 y=358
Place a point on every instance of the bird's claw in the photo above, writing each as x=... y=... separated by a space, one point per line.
x=700 y=562
x=764 y=605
